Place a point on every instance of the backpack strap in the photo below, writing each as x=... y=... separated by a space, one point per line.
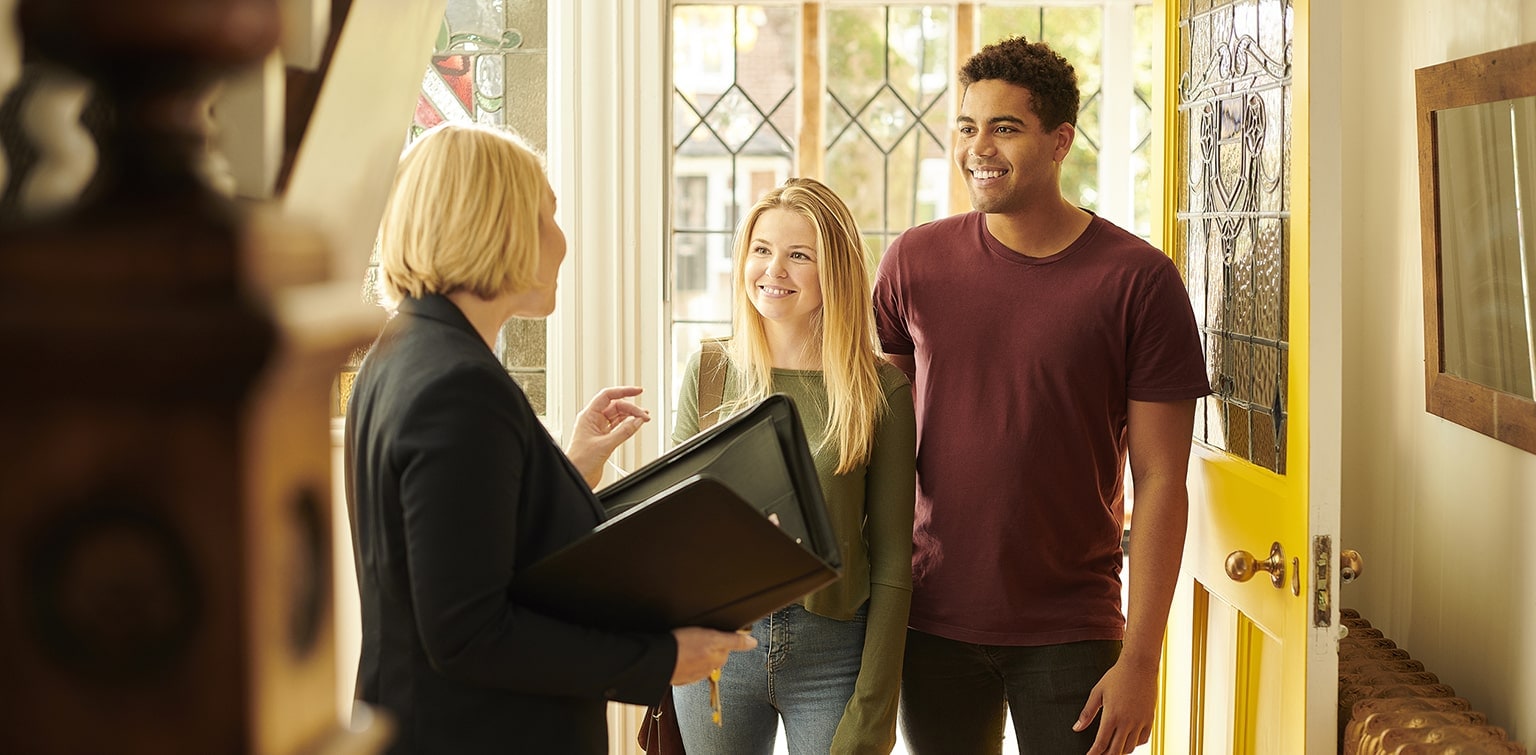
x=712 y=368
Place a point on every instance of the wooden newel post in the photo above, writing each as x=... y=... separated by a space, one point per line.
x=165 y=501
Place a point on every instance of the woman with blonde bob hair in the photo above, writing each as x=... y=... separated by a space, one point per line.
x=803 y=325
x=450 y=228
x=454 y=485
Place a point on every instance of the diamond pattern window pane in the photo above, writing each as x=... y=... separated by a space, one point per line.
x=886 y=119
x=735 y=112
x=734 y=119
x=887 y=127
x=685 y=118
x=765 y=61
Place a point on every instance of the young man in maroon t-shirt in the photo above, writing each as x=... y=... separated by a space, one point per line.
x=1045 y=346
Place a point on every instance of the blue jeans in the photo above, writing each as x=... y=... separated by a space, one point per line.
x=956 y=696
x=803 y=668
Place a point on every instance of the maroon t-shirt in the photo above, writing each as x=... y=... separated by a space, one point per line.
x=1024 y=369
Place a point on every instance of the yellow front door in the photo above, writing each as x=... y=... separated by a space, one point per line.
x=1251 y=651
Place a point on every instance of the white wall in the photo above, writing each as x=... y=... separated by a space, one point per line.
x=1444 y=517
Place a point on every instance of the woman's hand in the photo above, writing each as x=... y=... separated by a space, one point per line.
x=701 y=650
x=609 y=419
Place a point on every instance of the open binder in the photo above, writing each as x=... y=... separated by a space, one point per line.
x=689 y=542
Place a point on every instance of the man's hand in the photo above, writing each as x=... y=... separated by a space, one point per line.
x=609 y=419
x=1127 y=696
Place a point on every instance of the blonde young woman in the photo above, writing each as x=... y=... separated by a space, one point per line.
x=454 y=485
x=830 y=666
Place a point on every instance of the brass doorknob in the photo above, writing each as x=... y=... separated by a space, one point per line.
x=1351 y=566
x=1242 y=565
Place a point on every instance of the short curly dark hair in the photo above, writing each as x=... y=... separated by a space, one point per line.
x=1035 y=66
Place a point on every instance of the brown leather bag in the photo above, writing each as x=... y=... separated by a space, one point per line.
x=659 y=733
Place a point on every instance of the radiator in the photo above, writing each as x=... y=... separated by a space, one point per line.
x=1389 y=704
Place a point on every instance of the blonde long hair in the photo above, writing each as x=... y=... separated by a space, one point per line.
x=843 y=330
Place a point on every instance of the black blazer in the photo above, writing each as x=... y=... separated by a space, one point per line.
x=453 y=485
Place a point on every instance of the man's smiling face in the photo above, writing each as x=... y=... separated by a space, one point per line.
x=1008 y=159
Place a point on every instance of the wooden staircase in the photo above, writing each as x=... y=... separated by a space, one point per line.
x=172 y=317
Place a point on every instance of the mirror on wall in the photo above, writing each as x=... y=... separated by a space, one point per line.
x=1477 y=178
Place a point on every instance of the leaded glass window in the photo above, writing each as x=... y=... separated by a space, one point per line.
x=887 y=116
x=734 y=114
x=861 y=95
x=1233 y=217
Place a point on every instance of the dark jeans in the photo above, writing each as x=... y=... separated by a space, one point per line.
x=955 y=696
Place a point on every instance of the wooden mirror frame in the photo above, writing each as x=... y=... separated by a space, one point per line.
x=1490 y=77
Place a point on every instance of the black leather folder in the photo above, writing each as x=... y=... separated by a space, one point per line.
x=689 y=542
x=763 y=456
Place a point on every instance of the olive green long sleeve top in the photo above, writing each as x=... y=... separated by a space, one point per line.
x=871 y=512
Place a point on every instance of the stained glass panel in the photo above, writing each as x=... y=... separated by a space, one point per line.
x=470 y=66
x=1269 y=279
x=527 y=92
x=1272 y=165
x=1234 y=103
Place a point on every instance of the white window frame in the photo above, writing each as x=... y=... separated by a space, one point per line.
x=608 y=96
